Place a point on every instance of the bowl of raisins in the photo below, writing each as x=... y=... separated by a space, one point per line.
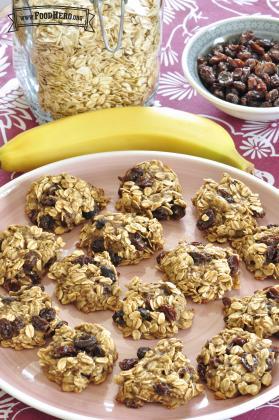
x=234 y=64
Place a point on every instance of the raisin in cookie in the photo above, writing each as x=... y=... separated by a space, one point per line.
x=127 y=238
x=258 y=313
x=58 y=203
x=203 y=272
x=236 y=362
x=161 y=374
x=151 y=189
x=91 y=283
x=26 y=252
x=226 y=210
x=27 y=318
x=260 y=251
x=79 y=356
x=152 y=310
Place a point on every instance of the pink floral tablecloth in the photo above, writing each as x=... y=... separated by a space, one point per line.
x=257 y=141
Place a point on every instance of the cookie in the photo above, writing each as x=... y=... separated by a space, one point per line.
x=258 y=313
x=152 y=310
x=77 y=357
x=27 y=318
x=161 y=374
x=91 y=283
x=260 y=251
x=151 y=189
x=226 y=210
x=236 y=362
x=26 y=252
x=127 y=238
x=58 y=203
x=203 y=272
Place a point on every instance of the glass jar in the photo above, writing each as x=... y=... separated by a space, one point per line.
x=110 y=61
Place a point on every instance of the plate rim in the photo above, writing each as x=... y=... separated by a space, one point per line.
x=64 y=414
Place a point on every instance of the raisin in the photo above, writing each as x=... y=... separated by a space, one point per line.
x=257 y=48
x=274 y=53
x=132 y=403
x=219 y=93
x=17 y=325
x=239 y=86
x=246 y=37
x=127 y=364
x=48 y=201
x=85 y=342
x=226 y=195
x=107 y=290
x=200 y=258
x=8 y=299
x=265 y=43
x=201 y=368
x=60 y=324
x=161 y=213
x=233 y=262
x=12 y=285
x=162 y=389
x=142 y=352
x=33 y=216
x=215 y=362
x=64 y=351
x=138 y=241
x=269 y=363
x=160 y=257
x=108 y=273
x=272 y=254
x=96 y=351
x=145 y=314
x=47 y=222
x=245 y=363
x=265 y=68
x=169 y=311
x=100 y=223
x=225 y=78
x=177 y=212
x=274 y=81
x=237 y=341
x=273 y=293
x=89 y=214
x=207 y=74
x=30 y=261
x=272 y=95
x=83 y=260
x=49 y=314
x=134 y=174
x=6 y=329
x=98 y=245
x=206 y=220
x=118 y=318
x=39 y=323
x=115 y=258
x=226 y=301
x=233 y=98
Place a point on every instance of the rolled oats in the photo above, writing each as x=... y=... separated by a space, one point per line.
x=152 y=189
x=226 y=210
x=260 y=251
x=26 y=252
x=27 y=318
x=203 y=272
x=79 y=356
x=91 y=283
x=258 y=313
x=161 y=374
x=57 y=203
x=76 y=73
x=152 y=310
x=236 y=362
x=128 y=238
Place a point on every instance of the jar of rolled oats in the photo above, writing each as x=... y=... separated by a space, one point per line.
x=73 y=56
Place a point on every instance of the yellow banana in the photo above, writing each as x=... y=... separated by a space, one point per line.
x=132 y=128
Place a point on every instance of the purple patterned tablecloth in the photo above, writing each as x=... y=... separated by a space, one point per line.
x=257 y=141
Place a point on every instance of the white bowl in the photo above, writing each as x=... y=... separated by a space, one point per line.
x=221 y=31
